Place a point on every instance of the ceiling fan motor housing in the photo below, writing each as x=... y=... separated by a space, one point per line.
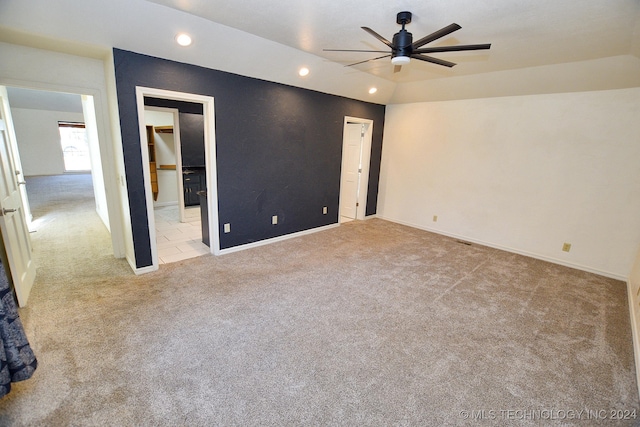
x=402 y=43
x=402 y=40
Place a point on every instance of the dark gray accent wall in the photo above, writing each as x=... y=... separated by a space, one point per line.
x=192 y=140
x=278 y=148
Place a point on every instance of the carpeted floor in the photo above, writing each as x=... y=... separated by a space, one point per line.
x=370 y=323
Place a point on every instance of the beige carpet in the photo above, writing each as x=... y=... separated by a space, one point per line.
x=370 y=323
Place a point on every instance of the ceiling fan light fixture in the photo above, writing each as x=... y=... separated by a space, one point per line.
x=400 y=60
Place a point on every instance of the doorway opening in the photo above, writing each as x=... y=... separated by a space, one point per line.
x=38 y=122
x=204 y=169
x=354 y=178
x=56 y=134
x=178 y=225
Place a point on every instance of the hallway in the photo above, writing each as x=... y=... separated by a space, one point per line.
x=68 y=237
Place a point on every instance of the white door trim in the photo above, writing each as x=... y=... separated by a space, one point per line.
x=366 y=159
x=210 y=164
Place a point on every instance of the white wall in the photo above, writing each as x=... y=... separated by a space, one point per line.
x=97 y=175
x=521 y=173
x=39 y=139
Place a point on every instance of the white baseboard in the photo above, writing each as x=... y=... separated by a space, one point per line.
x=131 y=262
x=512 y=250
x=144 y=270
x=137 y=271
x=276 y=239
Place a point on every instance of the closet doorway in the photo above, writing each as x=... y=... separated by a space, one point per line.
x=179 y=233
x=189 y=163
x=354 y=178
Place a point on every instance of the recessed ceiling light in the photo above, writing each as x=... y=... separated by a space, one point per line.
x=303 y=71
x=373 y=90
x=183 y=39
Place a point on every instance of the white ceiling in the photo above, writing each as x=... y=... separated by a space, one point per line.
x=538 y=46
x=522 y=33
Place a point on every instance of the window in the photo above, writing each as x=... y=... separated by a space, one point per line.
x=75 y=147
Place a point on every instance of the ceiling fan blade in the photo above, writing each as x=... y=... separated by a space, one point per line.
x=453 y=48
x=433 y=60
x=434 y=36
x=367 y=60
x=378 y=36
x=355 y=50
x=397 y=68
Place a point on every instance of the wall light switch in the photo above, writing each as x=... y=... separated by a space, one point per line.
x=227 y=228
x=324 y=210
x=274 y=219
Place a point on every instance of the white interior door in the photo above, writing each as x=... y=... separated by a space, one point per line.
x=13 y=143
x=13 y=223
x=351 y=166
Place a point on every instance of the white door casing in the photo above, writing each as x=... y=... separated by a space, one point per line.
x=13 y=224
x=210 y=165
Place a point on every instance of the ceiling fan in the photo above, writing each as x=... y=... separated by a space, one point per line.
x=404 y=48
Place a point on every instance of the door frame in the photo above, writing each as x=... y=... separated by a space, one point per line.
x=363 y=184
x=210 y=164
x=110 y=163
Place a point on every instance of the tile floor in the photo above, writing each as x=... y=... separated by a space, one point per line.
x=178 y=240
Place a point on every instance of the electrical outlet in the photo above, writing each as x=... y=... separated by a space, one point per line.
x=566 y=247
x=324 y=210
x=274 y=219
x=435 y=218
x=227 y=228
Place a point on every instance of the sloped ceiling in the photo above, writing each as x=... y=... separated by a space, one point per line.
x=537 y=47
x=44 y=100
